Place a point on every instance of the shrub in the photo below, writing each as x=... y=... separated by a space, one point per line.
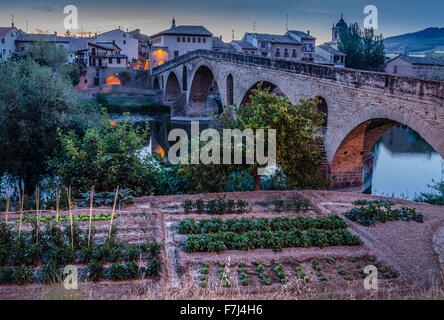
x=132 y=270
x=187 y=206
x=50 y=273
x=22 y=275
x=152 y=268
x=95 y=271
x=116 y=272
x=6 y=275
x=132 y=253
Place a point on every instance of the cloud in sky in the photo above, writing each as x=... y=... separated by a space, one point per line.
x=222 y=16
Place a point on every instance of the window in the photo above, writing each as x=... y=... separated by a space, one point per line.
x=294 y=54
x=194 y=40
x=395 y=69
x=264 y=54
x=3 y=40
x=118 y=60
x=178 y=39
x=198 y=40
x=285 y=52
x=110 y=60
x=97 y=72
x=176 y=54
x=124 y=41
x=204 y=40
x=188 y=39
x=263 y=45
x=278 y=52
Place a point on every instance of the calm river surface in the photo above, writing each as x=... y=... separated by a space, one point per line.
x=404 y=164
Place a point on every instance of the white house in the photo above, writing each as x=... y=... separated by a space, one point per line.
x=8 y=35
x=178 y=40
x=332 y=56
x=128 y=45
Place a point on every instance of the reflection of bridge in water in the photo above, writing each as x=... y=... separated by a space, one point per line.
x=360 y=106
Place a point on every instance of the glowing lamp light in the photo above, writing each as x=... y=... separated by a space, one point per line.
x=113 y=123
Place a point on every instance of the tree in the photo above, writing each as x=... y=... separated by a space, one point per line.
x=364 y=49
x=34 y=102
x=299 y=146
x=105 y=156
x=125 y=77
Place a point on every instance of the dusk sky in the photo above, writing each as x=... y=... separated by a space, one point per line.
x=220 y=17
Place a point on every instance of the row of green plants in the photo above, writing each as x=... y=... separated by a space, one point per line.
x=223 y=275
x=215 y=206
x=276 y=240
x=214 y=225
x=81 y=218
x=242 y=272
x=295 y=205
x=263 y=273
x=381 y=202
x=318 y=269
x=204 y=270
x=53 y=243
x=279 y=269
x=95 y=271
x=369 y=214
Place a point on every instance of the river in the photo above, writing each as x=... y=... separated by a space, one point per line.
x=404 y=164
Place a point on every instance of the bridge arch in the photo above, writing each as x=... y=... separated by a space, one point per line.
x=172 y=88
x=351 y=161
x=203 y=94
x=265 y=84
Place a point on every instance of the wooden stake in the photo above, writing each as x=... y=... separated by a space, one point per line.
x=21 y=201
x=112 y=214
x=68 y=194
x=91 y=200
x=7 y=204
x=37 y=213
x=57 y=204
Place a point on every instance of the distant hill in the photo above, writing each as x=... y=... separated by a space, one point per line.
x=427 y=40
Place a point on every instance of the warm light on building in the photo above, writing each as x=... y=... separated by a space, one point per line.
x=159 y=57
x=113 y=80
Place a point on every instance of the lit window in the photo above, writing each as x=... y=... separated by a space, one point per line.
x=183 y=39
x=178 y=39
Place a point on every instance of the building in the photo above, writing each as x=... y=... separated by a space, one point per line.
x=25 y=40
x=294 y=45
x=220 y=45
x=178 y=40
x=128 y=45
x=416 y=67
x=332 y=56
x=308 y=43
x=143 y=49
x=8 y=35
x=335 y=31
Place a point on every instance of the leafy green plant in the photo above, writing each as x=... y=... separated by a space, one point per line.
x=50 y=273
x=152 y=268
x=132 y=269
x=95 y=271
x=22 y=275
x=187 y=206
x=6 y=275
x=117 y=272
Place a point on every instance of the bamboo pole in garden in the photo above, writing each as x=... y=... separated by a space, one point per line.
x=68 y=195
x=7 y=204
x=37 y=213
x=57 y=204
x=112 y=214
x=91 y=200
x=21 y=201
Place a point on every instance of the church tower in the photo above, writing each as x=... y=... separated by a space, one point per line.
x=341 y=24
x=173 y=23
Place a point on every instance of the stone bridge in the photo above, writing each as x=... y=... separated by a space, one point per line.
x=360 y=106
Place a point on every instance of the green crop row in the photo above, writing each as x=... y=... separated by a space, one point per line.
x=277 y=240
x=190 y=226
x=368 y=215
x=214 y=206
x=82 y=217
